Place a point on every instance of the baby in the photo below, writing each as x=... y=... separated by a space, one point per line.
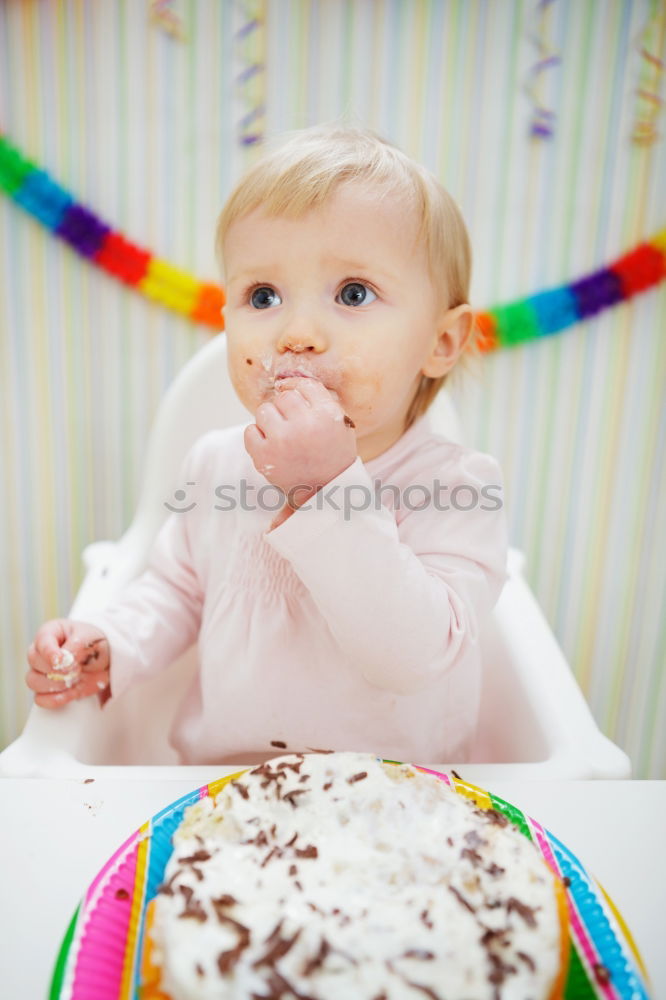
x=347 y=614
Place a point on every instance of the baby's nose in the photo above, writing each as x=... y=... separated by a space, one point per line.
x=301 y=335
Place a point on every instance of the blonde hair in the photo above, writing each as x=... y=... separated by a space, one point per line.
x=306 y=168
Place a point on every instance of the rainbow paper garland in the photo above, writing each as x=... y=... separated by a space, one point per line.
x=558 y=308
x=90 y=237
x=538 y=315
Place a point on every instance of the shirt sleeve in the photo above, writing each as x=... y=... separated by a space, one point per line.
x=159 y=614
x=404 y=601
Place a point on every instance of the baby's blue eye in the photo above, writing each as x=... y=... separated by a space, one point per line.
x=356 y=294
x=265 y=297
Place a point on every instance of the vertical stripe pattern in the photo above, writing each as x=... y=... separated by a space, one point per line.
x=144 y=129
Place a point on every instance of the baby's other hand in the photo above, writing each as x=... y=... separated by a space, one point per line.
x=68 y=660
x=302 y=438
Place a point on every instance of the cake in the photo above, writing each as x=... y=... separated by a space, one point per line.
x=334 y=876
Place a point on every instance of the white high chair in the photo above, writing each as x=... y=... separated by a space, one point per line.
x=534 y=720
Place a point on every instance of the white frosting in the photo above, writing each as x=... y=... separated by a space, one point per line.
x=343 y=877
x=63 y=661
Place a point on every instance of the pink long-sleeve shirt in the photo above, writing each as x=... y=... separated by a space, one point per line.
x=354 y=625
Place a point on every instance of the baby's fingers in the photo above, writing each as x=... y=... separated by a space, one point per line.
x=318 y=396
x=50 y=694
x=52 y=682
x=46 y=651
x=60 y=674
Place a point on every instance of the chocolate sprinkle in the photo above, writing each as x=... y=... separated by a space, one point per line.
x=522 y=909
x=226 y=960
x=472 y=839
x=357 y=777
x=194 y=909
x=279 y=986
x=197 y=856
x=95 y=654
x=415 y=986
x=318 y=960
x=473 y=856
x=425 y=917
x=295 y=767
x=277 y=946
x=493 y=816
x=122 y=894
x=279 y=744
x=349 y=422
x=461 y=899
x=529 y=962
x=500 y=970
x=186 y=891
x=270 y=776
x=290 y=796
x=166 y=889
x=306 y=852
x=274 y=851
x=495 y=870
x=221 y=903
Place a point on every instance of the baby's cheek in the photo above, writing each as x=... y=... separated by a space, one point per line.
x=361 y=393
x=247 y=379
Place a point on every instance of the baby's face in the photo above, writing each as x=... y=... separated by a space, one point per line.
x=341 y=294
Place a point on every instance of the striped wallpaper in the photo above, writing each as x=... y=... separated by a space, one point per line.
x=145 y=130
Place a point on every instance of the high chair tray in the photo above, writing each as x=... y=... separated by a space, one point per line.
x=99 y=957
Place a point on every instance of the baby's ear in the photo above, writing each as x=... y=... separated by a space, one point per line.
x=453 y=333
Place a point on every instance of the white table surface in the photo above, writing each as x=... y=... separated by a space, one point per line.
x=56 y=834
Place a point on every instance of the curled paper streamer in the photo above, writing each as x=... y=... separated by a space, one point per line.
x=649 y=102
x=543 y=119
x=163 y=16
x=251 y=76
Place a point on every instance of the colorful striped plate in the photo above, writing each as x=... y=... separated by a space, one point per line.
x=100 y=954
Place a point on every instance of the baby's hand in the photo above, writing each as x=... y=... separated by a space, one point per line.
x=68 y=660
x=302 y=439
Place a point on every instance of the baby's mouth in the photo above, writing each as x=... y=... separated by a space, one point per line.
x=281 y=376
x=289 y=376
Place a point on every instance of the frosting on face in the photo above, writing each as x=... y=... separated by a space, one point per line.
x=322 y=876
